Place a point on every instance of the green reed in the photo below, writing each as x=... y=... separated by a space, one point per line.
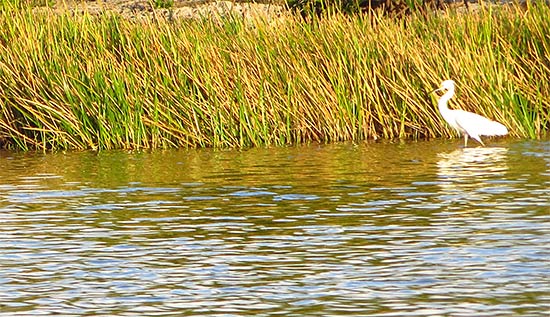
x=103 y=82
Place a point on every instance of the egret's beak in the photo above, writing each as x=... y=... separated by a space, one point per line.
x=437 y=89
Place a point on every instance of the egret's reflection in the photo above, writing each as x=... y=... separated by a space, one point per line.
x=463 y=171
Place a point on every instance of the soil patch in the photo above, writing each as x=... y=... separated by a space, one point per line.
x=173 y=10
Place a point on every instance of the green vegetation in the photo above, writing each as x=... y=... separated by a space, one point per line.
x=163 y=4
x=103 y=82
x=389 y=7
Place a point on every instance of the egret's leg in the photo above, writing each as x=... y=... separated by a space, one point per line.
x=478 y=139
x=465 y=139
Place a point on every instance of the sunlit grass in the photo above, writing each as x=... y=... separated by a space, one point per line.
x=102 y=82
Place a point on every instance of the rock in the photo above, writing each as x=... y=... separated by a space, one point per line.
x=185 y=9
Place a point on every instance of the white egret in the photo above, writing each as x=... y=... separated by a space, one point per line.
x=467 y=123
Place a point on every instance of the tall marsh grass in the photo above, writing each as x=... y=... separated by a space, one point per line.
x=103 y=82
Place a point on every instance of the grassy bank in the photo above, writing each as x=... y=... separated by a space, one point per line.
x=107 y=82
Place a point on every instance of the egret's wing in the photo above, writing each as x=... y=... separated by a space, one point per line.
x=475 y=124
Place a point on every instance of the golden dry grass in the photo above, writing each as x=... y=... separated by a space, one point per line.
x=106 y=82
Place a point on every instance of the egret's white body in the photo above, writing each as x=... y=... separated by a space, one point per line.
x=467 y=123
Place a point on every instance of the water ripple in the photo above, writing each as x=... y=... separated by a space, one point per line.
x=312 y=231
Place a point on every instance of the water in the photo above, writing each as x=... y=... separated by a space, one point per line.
x=375 y=229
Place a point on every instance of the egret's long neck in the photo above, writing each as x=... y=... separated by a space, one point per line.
x=442 y=103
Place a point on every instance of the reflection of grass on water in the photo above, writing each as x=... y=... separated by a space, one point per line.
x=79 y=81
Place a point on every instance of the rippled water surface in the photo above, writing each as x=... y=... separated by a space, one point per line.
x=412 y=229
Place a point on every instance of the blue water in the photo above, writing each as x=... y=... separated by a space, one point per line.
x=369 y=229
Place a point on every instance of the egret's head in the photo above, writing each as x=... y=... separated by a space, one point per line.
x=448 y=84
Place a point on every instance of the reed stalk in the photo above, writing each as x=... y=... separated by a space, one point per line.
x=104 y=82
